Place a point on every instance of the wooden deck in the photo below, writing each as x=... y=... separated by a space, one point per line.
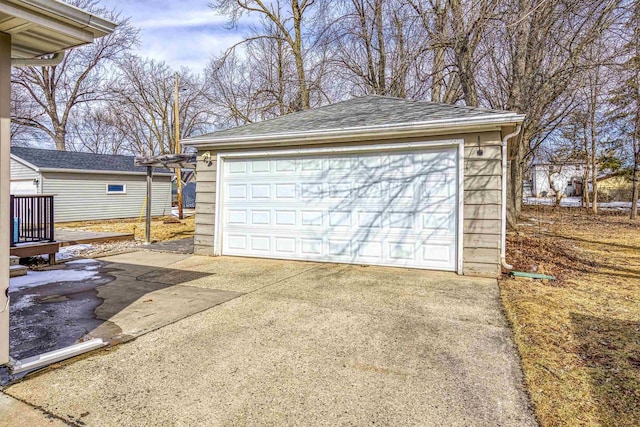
x=24 y=250
x=68 y=237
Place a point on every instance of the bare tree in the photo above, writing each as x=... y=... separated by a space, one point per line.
x=55 y=92
x=625 y=98
x=545 y=44
x=94 y=130
x=288 y=22
x=374 y=45
x=142 y=107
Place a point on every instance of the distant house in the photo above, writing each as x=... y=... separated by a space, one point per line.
x=88 y=186
x=564 y=177
x=614 y=187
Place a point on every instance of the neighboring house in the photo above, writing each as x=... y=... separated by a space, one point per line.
x=615 y=187
x=565 y=177
x=88 y=186
x=373 y=180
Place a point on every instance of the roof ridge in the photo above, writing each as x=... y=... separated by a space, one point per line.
x=70 y=152
x=356 y=112
x=50 y=160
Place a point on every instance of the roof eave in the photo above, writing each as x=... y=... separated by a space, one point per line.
x=24 y=162
x=65 y=26
x=100 y=172
x=428 y=128
x=98 y=26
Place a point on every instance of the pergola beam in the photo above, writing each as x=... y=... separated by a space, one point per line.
x=168 y=161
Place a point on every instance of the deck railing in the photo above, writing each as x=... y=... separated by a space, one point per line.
x=31 y=219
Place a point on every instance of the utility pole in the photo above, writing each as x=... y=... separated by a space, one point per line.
x=176 y=121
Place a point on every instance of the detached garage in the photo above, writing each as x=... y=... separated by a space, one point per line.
x=88 y=186
x=372 y=180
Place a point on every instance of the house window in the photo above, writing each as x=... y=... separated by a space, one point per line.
x=116 y=189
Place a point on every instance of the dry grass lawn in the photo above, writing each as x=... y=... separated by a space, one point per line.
x=162 y=228
x=579 y=337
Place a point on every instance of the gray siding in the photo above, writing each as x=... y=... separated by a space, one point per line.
x=205 y=205
x=20 y=171
x=482 y=186
x=482 y=204
x=83 y=196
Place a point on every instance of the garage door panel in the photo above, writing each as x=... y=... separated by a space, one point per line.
x=387 y=209
x=438 y=253
x=286 y=218
x=261 y=244
x=260 y=166
x=433 y=254
x=236 y=217
x=260 y=217
x=379 y=219
x=236 y=168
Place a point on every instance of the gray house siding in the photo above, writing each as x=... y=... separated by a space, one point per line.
x=83 y=196
x=22 y=179
x=20 y=171
x=482 y=201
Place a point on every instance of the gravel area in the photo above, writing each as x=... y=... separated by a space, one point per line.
x=109 y=248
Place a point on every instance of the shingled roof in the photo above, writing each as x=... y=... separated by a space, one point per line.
x=368 y=111
x=77 y=161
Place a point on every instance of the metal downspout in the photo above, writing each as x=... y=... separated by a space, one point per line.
x=503 y=230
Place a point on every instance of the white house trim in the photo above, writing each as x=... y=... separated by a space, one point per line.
x=458 y=143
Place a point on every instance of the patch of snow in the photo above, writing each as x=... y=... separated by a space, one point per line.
x=574 y=202
x=186 y=212
x=67 y=252
x=24 y=302
x=39 y=278
x=617 y=205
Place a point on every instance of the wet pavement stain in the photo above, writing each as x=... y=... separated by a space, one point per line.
x=55 y=315
x=116 y=301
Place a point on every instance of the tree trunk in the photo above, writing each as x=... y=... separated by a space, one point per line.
x=517 y=102
x=585 y=187
x=594 y=174
x=463 y=48
x=303 y=88
x=593 y=136
x=514 y=191
x=382 y=61
x=399 y=82
x=634 y=189
x=437 y=83
x=60 y=138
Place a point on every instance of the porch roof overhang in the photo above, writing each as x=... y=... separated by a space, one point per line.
x=41 y=27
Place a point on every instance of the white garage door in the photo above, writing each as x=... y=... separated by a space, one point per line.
x=396 y=209
x=23 y=186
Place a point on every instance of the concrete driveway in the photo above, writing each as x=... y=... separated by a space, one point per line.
x=302 y=344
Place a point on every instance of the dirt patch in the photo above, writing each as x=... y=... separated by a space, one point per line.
x=579 y=337
x=162 y=228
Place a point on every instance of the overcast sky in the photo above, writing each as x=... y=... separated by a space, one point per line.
x=179 y=32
